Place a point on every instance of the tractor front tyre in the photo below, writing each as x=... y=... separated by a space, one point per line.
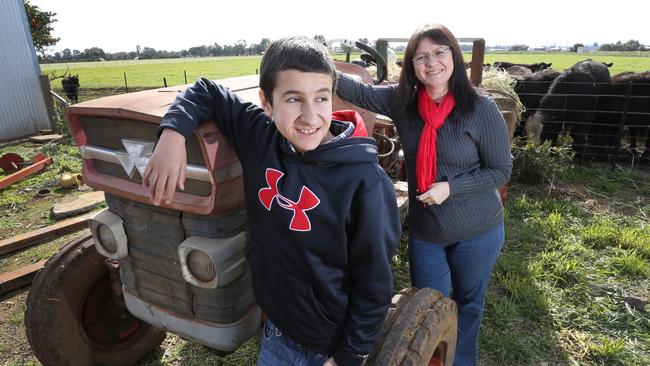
x=420 y=330
x=73 y=318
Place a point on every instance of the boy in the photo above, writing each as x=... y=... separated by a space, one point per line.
x=322 y=215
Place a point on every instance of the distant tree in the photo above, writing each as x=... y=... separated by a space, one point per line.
x=240 y=47
x=255 y=49
x=519 y=47
x=215 y=50
x=66 y=54
x=119 y=56
x=576 y=46
x=320 y=38
x=94 y=54
x=40 y=24
x=198 y=51
x=148 y=53
x=265 y=42
x=631 y=45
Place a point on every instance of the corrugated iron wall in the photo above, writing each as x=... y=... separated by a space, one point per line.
x=22 y=107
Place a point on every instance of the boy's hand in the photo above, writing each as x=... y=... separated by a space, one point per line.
x=166 y=168
x=437 y=193
x=330 y=362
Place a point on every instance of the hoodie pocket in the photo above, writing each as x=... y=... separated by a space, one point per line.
x=292 y=301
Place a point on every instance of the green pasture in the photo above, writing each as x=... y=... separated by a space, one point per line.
x=636 y=62
x=150 y=73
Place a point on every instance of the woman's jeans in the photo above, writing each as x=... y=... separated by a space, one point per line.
x=462 y=268
x=278 y=349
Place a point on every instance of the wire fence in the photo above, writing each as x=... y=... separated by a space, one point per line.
x=610 y=121
x=610 y=125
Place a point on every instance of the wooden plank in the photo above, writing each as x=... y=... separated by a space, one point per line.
x=34 y=237
x=45 y=138
x=20 y=278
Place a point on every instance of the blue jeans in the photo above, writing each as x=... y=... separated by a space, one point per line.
x=462 y=268
x=278 y=349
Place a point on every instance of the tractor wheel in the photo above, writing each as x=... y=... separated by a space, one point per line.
x=420 y=330
x=72 y=319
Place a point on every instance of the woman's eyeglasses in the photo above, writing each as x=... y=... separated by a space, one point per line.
x=425 y=57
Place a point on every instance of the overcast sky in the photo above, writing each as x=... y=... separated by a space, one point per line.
x=120 y=25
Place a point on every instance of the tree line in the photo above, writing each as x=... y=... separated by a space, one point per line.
x=631 y=45
x=240 y=48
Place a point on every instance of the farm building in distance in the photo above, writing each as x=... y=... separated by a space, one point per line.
x=22 y=110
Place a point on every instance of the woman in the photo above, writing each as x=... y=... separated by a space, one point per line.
x=457 y=155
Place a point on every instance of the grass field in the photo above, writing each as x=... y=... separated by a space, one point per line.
x=150 y=73
x=562 y=61
x=575 y=253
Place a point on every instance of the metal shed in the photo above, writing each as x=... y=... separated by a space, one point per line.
x=22 y=105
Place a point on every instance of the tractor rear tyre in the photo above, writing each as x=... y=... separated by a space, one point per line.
x=420 y=330
x=72 y=317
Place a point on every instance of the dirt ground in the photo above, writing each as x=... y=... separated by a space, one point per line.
x=14 y=349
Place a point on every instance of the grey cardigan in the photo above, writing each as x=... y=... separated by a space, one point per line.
x=473 y=155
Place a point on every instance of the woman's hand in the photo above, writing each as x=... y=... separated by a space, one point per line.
x=437 y=193
x=166 y=168
x=330 y=362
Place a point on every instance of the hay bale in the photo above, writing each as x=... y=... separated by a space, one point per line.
x=504 y=84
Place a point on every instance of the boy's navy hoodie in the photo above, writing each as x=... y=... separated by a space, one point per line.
x=323 y=225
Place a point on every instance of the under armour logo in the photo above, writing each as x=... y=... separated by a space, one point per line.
x=306 y=201
x=136 y=157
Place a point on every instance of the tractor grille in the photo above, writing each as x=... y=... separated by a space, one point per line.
x=152 y=269
x=108 y=133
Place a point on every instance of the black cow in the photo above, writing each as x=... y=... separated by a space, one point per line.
x=571 y=102
x=519 y=72
x=530 y=89
x=637 y=118
x=71 y=88
x=533 y=67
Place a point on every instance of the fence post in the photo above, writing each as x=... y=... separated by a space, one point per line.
x=49 y=105
x=621 y=125
x=126 y=86
x=165 y=81
x=185 y=74
x=478 y=57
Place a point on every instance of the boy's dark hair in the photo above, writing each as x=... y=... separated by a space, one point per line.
x=294 y=53
x=459 y=83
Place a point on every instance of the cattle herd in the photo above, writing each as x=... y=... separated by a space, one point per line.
x=596 y=109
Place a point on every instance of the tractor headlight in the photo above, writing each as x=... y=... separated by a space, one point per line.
x=108 y=232
x=201 y=266
x=107 y=239
x=212 y=262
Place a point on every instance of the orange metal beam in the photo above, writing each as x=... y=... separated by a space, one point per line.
x=15 y=177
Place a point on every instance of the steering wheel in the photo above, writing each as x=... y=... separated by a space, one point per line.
x=382 y=66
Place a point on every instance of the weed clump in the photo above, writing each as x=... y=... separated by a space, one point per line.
x=537 y=163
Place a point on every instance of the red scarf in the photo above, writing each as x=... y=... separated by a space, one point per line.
x=434 y=116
